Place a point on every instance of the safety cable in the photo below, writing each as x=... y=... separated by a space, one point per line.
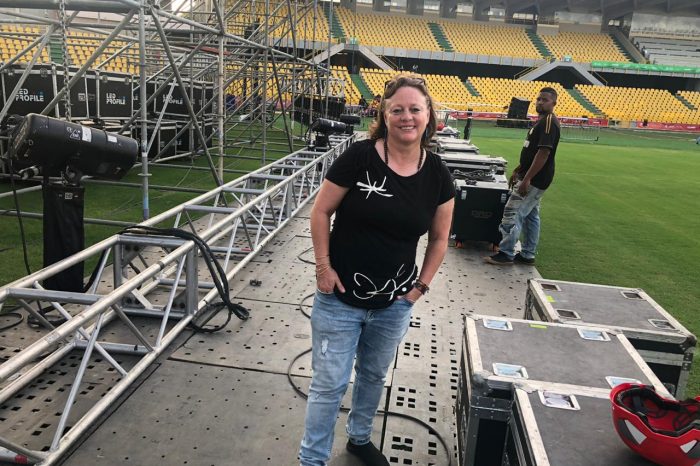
x=217 y=272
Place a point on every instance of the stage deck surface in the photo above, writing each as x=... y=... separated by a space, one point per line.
x=225 y=398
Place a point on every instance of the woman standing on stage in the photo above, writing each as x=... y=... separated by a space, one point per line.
x=386 y=192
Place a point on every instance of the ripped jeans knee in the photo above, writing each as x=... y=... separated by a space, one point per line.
x=520 y=214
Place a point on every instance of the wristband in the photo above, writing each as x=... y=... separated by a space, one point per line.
x=420 y=286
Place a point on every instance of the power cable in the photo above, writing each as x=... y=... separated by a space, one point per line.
x=217 y=272
x=19 y=216
x=33 y=322
x=306 y=261
x=19 y=320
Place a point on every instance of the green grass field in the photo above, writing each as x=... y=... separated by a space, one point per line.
x=124 y=203
x=622 y=211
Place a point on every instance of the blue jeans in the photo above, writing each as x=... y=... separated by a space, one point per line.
x=521 y=215
x=341 y=333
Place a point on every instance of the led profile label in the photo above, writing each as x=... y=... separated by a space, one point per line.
x=112 y=99
x=25 y=95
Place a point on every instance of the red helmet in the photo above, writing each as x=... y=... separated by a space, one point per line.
x=662 y=430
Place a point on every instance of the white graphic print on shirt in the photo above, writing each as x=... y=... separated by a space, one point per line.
x=369 y=290
x=371 y=187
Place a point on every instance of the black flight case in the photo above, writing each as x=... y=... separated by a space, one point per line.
x=479 y=209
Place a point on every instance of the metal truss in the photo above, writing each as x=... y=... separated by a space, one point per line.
x=247 y=48
x=236 y=220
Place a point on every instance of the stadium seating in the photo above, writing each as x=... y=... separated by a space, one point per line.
x=669 y=51
x=349 y=91
x=691 y=96
x=409 y=32
x=243 y=22
x=387 y=31
x=629 y=103
x=496 y=94
x=583 y=47
x=488 y=39
x=285 y=73
x=14 y=38
x=450 y=93
x=81 y=45
x=375 y=79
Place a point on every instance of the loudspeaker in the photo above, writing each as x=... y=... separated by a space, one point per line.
x=518 y=108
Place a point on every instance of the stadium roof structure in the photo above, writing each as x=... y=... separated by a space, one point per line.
x=609 y=9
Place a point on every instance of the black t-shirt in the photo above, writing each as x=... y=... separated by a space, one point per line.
x=379 y=221
x=545 y=133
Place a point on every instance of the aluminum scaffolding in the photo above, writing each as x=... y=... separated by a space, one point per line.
x=250 y=66
x=245 y=54
x=159 y=277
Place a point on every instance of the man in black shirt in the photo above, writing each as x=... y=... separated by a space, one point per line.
x=529 y=181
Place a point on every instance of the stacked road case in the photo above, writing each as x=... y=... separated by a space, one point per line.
x=478 y=210
x=462 y=155
x=500 y=353
x=481 y=186
x=569 y=426
x=662 y=341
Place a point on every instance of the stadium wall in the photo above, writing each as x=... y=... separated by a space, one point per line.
x=670 y=83
x=672 y=25
x=585 y=28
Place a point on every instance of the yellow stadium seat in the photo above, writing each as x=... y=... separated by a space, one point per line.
x=657 y=105
x=387 y=30
x=487 y=39
x=496 y=94
x=583 y=47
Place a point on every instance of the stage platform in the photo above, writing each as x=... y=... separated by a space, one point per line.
x=225 y=398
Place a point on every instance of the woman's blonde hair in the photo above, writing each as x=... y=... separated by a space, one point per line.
x=378 y=127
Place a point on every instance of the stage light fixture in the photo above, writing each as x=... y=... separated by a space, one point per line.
x=325 y=126
x=51 y=143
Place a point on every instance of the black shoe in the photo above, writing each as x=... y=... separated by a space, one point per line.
x=524 y=260
x=368 y=454
x=499 y=259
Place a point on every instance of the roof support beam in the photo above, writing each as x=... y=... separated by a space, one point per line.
x=81 y=5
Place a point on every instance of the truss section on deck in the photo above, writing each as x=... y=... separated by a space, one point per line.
x=144 y=291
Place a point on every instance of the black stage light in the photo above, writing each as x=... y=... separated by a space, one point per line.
x=350 y=122
x=350 y=119
x=325 y=126
x=52 y=143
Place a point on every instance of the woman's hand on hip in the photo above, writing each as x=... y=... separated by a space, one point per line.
x=328 y=281
x=412 y=296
